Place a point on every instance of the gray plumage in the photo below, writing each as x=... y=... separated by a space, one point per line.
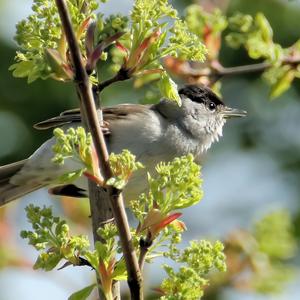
x=153 y=133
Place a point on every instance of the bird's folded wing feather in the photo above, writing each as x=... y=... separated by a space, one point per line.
x=118 y=112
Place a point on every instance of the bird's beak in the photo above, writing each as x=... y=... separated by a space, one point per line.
x=229 y=113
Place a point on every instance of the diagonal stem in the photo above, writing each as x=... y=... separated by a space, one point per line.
x=89 y=115
x=122 y=75
x=217 y=70
x=145 y=244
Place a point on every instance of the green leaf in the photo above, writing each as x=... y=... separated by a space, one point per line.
x=51 y=237
x=168 y=88
x=22 y=69
x=274 y=227
x=265 y=27
x=195 y=262
x=198 y=20
x=58 y=65
x=283 y=84
x=256 y=36
x=120 y=272
x=47 y=261
x=42 y=30
x=122 y=166
x=92 y=258
x=74 y=144
x=111 y=181
x=184 y=44
x=120 y=184
x=70 y=177
x=83 y=293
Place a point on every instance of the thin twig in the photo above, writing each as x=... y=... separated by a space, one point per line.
x=260 y=67
x=120 y=76
x=89 y=114
x=217 y=70
x=145 y=244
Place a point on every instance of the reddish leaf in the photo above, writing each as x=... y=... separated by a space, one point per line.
x=89 y=39
x=105 y=277
x=68 y=71
x=121 y=47
x=156 y=228
x=159 y=291
x=102 y=269
x=169 y=219
x=95 y=55
x=62 y=46
x=175 y=65
x=148 y=41
x=212 y=42
x=111 y=266
x=179 y=225
x=137 y=55
x=82 y=27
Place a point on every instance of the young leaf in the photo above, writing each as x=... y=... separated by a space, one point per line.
x=168 y=88
x=283 y=83
x=83 y=293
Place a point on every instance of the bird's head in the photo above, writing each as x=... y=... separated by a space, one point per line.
x=202 y=114
x=205 y=113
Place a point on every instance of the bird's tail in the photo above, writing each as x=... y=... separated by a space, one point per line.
x=8 y=190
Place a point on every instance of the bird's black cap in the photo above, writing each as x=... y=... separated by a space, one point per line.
x=200 y=94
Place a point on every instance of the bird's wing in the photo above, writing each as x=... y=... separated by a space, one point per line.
x=118 y=112
x=69 y=116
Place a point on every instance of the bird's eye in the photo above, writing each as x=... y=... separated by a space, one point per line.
x=212 y=106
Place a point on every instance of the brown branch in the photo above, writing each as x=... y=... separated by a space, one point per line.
x=246 y=69
x=217 y=70
x=89 y=114
x=145 y=244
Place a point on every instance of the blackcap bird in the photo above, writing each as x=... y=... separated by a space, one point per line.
x=153 y=133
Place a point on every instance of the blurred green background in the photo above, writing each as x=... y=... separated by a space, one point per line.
x=253 y=170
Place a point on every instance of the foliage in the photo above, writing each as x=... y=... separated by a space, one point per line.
x=168 y=88
x=148 y=17
x=149 y=41
x=196 y=261
x=200 y=21
x=41 y=31
x=274 y=227
x=83 y=293
x=207 y=26
x=75 y=144
x=51 y=237
x=256 y=35
x=175 y=185
x=122 y=166
x=258 y=258
x=142 y=40
x=276 y=244
x=146 y=41
x=110 y=26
